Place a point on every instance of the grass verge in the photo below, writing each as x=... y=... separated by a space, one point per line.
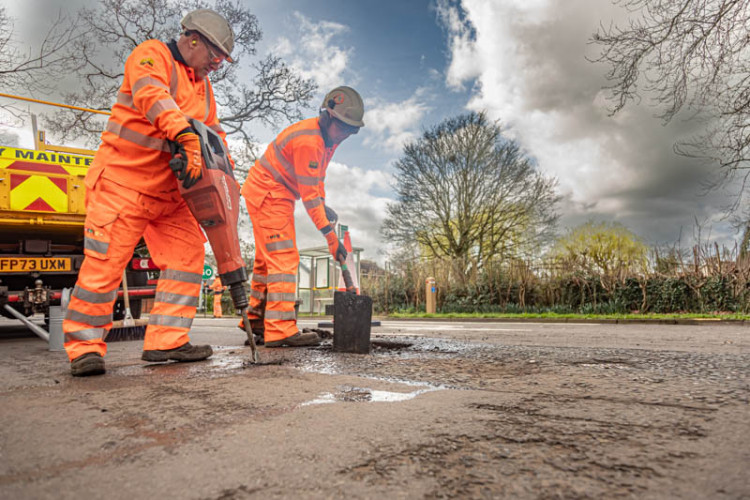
x=573 y=316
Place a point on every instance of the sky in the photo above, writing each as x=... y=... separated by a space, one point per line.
x=523 y=62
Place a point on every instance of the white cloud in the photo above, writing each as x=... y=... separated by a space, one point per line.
x=526 y=63
x=390 y=125
x=316 y=53
x=352 y=193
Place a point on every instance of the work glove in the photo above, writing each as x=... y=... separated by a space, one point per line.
x=187 y=163
x=336 y=247
x=331 y=215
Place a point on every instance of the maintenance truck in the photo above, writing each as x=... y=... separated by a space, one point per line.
x=42 y=211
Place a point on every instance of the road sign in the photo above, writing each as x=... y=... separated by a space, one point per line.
x=208 y=272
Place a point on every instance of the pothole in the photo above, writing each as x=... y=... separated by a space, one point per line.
x=390 y=345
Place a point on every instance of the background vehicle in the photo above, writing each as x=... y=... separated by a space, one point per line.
x=42 y=211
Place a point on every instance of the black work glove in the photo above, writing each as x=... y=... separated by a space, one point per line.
x=331 y=215
x=336 y=247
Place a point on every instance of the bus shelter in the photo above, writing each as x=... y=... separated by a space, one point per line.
x=318 y=277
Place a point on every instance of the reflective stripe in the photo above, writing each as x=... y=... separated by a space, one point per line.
x=95 y=245
x=136 y=137
x=313 y=203
x=125 y=100
x=315 y=132
x=217 y=128
x=288 y=166
x=145 y=82
x=306 y=180
x=176 y=299
x=282 y=278
x=88 y=319
x=276 y=175
x=208 y=98
x=87 y=334
x=185 y=276
x=282 y=297
x=258 y=295
x=94 y=297
x=326 y=229
x=279 y=245
x=174 y=80
x=260 y=278
x=174 y=321
x=280 y=314
x=159 y=106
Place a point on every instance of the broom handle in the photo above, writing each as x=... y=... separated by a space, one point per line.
x=125 y=289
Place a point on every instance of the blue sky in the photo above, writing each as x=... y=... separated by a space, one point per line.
x=524 y=63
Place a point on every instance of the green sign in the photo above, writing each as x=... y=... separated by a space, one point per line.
x=208 y=272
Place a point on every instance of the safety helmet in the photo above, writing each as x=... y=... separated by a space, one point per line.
x=345 y=104
x=214 y=27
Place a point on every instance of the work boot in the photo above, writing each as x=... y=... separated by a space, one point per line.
x=257 y=327
x=299 y=339
x=258 y=337
x=87 y=364
x=186 y=352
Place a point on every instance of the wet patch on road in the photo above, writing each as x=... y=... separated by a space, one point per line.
x=348 y=394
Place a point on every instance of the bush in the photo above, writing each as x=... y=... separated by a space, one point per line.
x=498 y=291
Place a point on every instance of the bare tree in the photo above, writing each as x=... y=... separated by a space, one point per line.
x=115 y=27
x=688 y=54
x=466 y=193
x=34 y=69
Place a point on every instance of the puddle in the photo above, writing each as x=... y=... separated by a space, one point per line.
x=364 y=395
x=224 y=360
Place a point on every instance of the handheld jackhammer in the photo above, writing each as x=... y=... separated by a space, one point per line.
x=214 y=201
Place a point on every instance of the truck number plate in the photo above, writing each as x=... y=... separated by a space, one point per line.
x=34 y=264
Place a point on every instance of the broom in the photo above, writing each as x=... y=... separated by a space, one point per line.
x=127 y=328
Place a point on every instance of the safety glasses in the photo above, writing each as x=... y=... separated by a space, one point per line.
x=346 y=128
x=214 y=54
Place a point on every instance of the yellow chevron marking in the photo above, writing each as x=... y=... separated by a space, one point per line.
x=38 y=186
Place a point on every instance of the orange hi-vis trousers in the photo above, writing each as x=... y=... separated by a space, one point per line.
x=217 y=305
x=116 y=219
x=274 y=283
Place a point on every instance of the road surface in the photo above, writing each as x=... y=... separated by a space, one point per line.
x=437 y=410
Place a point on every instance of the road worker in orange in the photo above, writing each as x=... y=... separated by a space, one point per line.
x=218 y=289
x=293 y=167
x=132 y=192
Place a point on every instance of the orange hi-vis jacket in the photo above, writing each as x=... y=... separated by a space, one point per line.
x=294 y=167
x=158 y=94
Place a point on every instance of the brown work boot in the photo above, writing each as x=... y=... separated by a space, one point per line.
x=186 y=352
x=299 y=339
x=87 y=364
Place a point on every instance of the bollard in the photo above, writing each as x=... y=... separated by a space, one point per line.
x=56 y=337
x=430 y=296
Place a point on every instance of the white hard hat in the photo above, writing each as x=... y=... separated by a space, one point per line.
x=345 y=104
x=214 y=27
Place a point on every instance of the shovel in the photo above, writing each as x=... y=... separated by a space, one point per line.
x=352 y=317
